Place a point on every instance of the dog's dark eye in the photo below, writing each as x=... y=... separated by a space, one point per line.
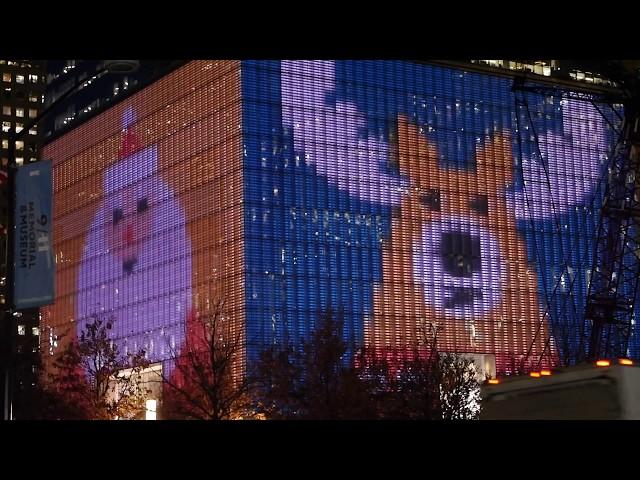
x=480 y=204
x=117 y=215
x=142 y=205
x=430 y=199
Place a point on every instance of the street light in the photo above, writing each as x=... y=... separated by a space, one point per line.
x=7 y=341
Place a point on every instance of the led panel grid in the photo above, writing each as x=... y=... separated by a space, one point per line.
x=148 y=212
x=405 y=194
x=397 y=193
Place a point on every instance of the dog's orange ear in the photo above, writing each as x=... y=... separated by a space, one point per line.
x=417 y=158
x=494 y=161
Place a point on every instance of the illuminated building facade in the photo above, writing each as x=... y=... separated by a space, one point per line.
x=400 y=194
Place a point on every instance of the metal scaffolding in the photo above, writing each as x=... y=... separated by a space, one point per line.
x=615 y=276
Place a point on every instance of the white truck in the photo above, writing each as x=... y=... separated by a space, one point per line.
x=583 y=392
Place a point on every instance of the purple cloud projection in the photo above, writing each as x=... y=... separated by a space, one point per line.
x=328 y=134
x=577 y=152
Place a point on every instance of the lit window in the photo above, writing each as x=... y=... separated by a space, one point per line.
x=5 y=143
x=33 y=78
x=19 y=145
x=19 y=112
x=20 y=78
x=33 y=131
x=6 y=126
x=19 y=127
x=33 y=113
x=151 y=410
x=22 y=330
x=35 y=331
x=33 y=159
x=6 y=77
x=33 y=98
x=19 y=160
x=6 y=110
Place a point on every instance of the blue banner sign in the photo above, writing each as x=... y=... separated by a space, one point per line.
x=33 y=259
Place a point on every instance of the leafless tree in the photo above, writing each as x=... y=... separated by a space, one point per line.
x=92 y=380
x=314 y=380
x=419 y=382
x=459 y=387
x=207 y=381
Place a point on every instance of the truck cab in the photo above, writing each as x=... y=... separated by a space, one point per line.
x=608 y=390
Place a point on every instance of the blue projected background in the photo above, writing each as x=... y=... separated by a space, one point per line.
x=401 y=193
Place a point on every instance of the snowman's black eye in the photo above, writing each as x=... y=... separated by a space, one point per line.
x=117 y=215
x=480 y=204
x=142 y=205
x=431 y=199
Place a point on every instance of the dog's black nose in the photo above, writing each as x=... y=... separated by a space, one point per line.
x=460 y=253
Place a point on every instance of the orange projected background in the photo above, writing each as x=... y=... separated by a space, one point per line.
x=164 y=166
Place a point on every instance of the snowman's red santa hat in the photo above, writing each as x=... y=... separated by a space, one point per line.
x=135 y=164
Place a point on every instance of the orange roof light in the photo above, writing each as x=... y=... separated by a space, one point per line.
x=545 y=372
x=493 y=381
x=603 y=363
x=625 y=361
x=535 y=374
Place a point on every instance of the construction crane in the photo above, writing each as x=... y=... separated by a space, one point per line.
x=610 y=310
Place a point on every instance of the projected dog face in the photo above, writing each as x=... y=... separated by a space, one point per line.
x=457 y=261
x=466 y=267
x=457 y=253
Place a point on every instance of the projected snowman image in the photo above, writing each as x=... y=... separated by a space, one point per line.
x=136 y=262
